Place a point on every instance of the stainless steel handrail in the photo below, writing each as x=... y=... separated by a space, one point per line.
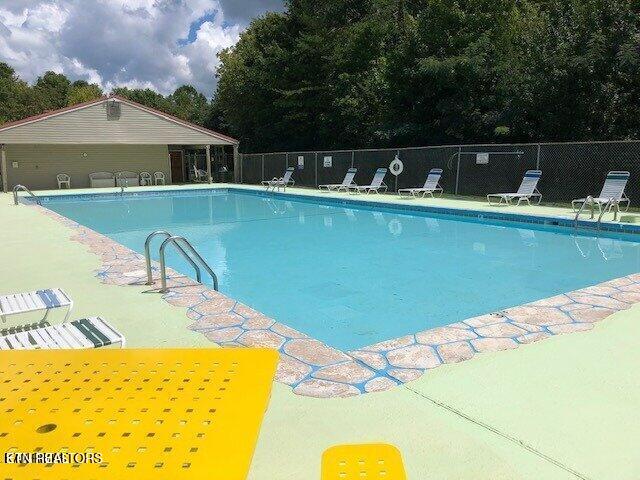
x=126 y=182
x=605 y=210
x=184 y=242
x=22 y=187
x=147 y=255
x=588 y=200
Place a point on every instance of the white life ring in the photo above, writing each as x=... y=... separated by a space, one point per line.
x=396 y=166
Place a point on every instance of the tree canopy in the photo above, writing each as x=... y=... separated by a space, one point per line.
x=373 y=73
x=379 y=73
x=52 y=91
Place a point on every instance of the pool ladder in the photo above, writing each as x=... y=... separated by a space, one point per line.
x=25 y=189
x=122 y=184
x=589 y=201
x=185 y=248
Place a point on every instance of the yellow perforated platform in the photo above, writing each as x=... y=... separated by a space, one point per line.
x=373 y=461
x=150 y=414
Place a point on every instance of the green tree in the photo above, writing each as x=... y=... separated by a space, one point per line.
x=309 y=78
x=577 y=72
x=52 y=91
x=145 y=96
x=349 y=73
x=16 y=97
x=82 y=91
x=189 y=104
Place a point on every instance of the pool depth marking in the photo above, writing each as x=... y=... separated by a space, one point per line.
x=313 y=368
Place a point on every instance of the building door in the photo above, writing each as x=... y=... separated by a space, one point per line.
x=177 y=166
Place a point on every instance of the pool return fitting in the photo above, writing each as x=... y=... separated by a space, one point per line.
x=188 y=252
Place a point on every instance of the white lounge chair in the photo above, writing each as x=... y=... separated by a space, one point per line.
x=611 y=196
x=17 y=303
x=159 y=178
x=102 y=179
x=377 y=184
x=91 y=332
x=145 y=179
x=528 y=189
x=346 y=182
x=64 y=180
x=431 y=186
x=127 y=179
x=283 y=182
x=199 y=176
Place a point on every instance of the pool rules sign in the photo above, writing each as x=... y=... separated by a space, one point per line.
x=396 y=167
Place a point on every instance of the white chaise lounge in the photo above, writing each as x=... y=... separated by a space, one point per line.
x=127 y=179
x=91 y=332
x=611 y=196
x=528 y=189
x=346 y=182
x=199 y=176
x=26 y=302
x=102 y=179
x=431 y=186
x=283 y=182
x=377 y=184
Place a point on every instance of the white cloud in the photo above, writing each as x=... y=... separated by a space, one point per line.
x=136 y=43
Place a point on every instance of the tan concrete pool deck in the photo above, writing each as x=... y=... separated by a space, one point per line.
x=562 y=408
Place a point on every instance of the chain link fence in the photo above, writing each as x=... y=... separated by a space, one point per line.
x=569 y=170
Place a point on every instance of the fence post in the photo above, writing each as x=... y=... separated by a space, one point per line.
x=316 y=166
x=286 y=160
x=398 y=155
x=241 y=167
x=353 y=158
x=538 y=158
x=262 y=167
x=458 y=169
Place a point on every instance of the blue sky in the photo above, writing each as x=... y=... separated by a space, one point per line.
x=159 y=44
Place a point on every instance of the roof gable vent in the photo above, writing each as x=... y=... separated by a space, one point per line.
x=113 y=110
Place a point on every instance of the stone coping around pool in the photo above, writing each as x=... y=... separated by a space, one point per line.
x=315 y=369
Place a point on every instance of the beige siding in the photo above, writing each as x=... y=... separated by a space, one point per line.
x=90 y=126
x=38 y=165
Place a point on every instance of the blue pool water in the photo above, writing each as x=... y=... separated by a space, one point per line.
x=351 y=276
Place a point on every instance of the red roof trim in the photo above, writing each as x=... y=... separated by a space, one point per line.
x=79 y=106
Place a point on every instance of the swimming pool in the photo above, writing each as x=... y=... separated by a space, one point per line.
x=353 y=275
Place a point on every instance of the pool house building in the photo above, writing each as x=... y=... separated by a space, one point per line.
x=108 y=136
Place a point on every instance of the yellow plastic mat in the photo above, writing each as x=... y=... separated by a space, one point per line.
x=134 y=414
x=366 y=461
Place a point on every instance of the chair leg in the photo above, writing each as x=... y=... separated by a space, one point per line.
x=69 y=308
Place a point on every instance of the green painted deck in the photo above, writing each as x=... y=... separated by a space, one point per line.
x=562 y=408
